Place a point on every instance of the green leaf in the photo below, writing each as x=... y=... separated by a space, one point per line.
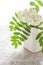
x=26 y=33
x=14 y=19
x=16 y=45
x=16 y=14
x=41 y=28
x=17 y=37
x=40 y=2
x=37 y=8
x=22 y=35
x=27 y=29
x=40 y=23
x=39 y=35
x=42 y=49
x=32 y=3
x=13 y=40
x=21 y=38
x=16 y=42
x=14 y=37
x=20 y=24
x=17 y=28
x=12 y=28
x=12 y=23
x=16 y=33
x=19 y=42
x=32 y=26
x=41 y=41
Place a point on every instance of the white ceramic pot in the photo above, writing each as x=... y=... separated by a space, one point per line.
x=32 y=44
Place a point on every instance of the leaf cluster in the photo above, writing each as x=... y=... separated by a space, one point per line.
x=36 y=6
x=20 y=30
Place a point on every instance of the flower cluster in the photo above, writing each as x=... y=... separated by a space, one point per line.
x=30 y=16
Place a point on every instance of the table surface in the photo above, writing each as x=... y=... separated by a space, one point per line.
x=24 y=57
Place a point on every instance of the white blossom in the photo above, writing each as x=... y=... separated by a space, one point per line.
x=30 y=16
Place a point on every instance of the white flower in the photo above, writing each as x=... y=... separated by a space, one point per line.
x=30 y=16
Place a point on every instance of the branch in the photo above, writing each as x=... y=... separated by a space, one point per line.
x=37 y=27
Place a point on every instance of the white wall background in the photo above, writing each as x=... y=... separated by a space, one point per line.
x=7 y=9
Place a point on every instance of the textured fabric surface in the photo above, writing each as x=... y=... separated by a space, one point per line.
x=24 y=57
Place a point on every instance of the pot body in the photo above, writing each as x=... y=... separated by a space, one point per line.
x=32 y=44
